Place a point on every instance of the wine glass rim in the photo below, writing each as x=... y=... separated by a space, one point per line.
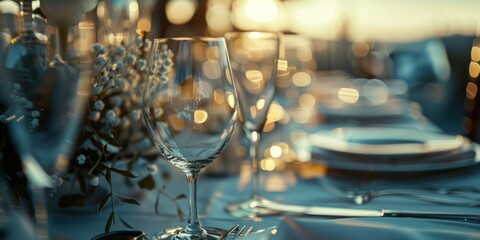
x=200 y=38
x=254 y=34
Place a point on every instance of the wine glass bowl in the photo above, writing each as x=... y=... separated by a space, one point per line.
x=189 y=107
x=254 y=57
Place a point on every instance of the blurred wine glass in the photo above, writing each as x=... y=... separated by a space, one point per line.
x=189 y=107
x=254 y=57
x=43 y=105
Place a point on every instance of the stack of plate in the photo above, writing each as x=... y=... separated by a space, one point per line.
x=387 y=149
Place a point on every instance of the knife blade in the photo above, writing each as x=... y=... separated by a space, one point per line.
x=352 y=212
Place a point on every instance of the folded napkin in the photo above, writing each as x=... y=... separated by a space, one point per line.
x=375 y=228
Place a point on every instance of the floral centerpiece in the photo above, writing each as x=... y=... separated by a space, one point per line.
x=113 y=147
x=113 y=139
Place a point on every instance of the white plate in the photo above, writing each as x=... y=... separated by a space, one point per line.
x=385 y=141
x=392 y=150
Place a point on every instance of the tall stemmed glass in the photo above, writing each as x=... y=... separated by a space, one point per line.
x=254 y=57
x=43 y=106
x=189 y=107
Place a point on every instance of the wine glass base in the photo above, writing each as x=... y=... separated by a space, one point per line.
x=251 y=208
x=178 y=234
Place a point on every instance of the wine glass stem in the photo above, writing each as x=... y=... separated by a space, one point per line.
x=254 y=149
x=193 y=225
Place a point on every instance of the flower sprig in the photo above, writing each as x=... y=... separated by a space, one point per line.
x=114 y=141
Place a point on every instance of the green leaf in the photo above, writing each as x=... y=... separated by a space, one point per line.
x=81 y=182
x=123 y=172
x=147 y=183
x=126 y=200
x=108 y=225
x=181 y=196
x=108 y=177
x=124 y=223
x=103 y=202
x=180 y=213
x=71 y=200
x=157 y=202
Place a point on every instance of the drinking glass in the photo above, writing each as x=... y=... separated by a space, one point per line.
x=254 y=58
x=189 y=107
x=42 y=107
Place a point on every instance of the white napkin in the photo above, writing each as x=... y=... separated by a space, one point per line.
x=375 y=228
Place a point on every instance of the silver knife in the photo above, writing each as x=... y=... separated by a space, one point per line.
x=351 y=212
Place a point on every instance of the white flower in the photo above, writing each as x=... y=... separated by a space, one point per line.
x=103 y=79
x=35 y=114
x=101 y=60
x=97 y=90
x=120 y=50
x=136 y=115
x=116 y=101
x=130 y=59
x=3 y=118
x=28 y=104
x=94 y=181
x=98 y=48
x=99 y=105
x=141 y=64
x=16 y=87
x=94 y=116
x=81 y=159
x=33 y=123
x=147 y=45
x=111 y=115
x=57 y=181
x=152 y=169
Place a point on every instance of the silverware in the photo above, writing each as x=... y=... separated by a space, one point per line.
x=225 y=235
x=351 y=212
x=457 y=196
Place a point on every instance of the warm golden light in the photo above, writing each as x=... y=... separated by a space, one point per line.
x=261 y=10
x=360 y=49
x=200 y=116
x=180 y=11
x=253 y=111
x=176 y=122
x=218 y=96
x=268 y=164
x=254 y=136
x=211 y=69
x=474 y=69
x=472 y=90
x=218 y=18
x=231 y=100
x=133 y=13
x=275 y=112
x=254 y=76
x=348 y=95
x=260 y=104
x=475 y=54
x=301 y=115
x=144 y=24
x=307 y=100
x=275 y=151
x=301 y=79
x=282 y=65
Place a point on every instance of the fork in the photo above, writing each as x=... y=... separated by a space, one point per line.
x=243 y=232
x=237 y=232
x=453 y=196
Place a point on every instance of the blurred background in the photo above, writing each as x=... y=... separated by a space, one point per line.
x=345 y=60
x=425 y=43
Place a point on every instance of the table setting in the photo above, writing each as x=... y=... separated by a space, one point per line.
x=108 y=132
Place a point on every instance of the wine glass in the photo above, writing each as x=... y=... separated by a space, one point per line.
x=254 y=57
x=189 y=107
x=44 y=107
